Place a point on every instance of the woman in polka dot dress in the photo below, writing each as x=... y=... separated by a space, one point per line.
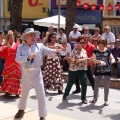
x=52 y=71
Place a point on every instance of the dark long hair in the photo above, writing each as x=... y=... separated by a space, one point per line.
x=49 y=37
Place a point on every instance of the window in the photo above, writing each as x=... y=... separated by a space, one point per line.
x=118 y=11
x=115 y=30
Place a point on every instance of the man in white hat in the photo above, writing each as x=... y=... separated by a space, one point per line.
x=74 y=35
x=29 y=55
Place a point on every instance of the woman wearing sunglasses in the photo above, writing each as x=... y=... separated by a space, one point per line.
x=17 y=38
x=52 y=71
x=77 y=69
x=102 y=58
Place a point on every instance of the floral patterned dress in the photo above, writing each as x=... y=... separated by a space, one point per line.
x=52 y=74
x=11 y=72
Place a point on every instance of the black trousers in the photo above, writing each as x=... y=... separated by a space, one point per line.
x=64 y=63
x=1 y=69
x=89 y=76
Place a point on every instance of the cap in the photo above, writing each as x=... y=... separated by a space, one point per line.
x=75 y=26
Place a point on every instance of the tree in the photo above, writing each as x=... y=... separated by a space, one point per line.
x=70 y=15
x=16 y=14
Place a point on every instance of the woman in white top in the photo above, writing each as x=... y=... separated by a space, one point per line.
x=61 y=34
x=63 y=54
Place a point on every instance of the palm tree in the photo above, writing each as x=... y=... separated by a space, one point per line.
x=70 y=15
x=16 y=14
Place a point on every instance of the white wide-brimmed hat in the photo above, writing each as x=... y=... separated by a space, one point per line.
x=29 y=31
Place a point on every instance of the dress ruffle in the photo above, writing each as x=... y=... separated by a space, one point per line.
x=11 y=83
x=11 y=86
x=13 y=69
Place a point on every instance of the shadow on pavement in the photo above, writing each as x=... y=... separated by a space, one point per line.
x=33 y=97
x=91 y=107
x=7 y=99
x=114 y=117
x=50 y=95
x=65 y=104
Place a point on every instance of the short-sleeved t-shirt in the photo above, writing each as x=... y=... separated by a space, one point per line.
x=74 y=35
x=89 y=49
x=78 y=54
x=103 y=56
x=110 y=37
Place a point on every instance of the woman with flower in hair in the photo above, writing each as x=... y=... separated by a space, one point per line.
x=11 y=72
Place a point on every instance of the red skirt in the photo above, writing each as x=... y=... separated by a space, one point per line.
x=11 y=81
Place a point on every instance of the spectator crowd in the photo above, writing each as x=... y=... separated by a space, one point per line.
x=83 y=55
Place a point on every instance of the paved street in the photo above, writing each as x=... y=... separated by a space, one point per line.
x=72 y=109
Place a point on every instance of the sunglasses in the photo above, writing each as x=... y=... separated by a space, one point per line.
x=53 y=37
x=81 y=42
x=105 y=29
x=86 y=37
x=102 y=43
x=95 y=40
x=18 y=36
x=96 y=30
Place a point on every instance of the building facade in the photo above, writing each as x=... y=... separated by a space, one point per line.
x=32 y=10
x=112 y=18
x=83 y=17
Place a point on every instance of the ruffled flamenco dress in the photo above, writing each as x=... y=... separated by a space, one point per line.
x=11 y=73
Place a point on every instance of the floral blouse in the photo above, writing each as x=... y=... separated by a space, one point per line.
x=77 y=54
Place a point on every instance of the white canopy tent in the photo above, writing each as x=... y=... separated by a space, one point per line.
x=53 y=21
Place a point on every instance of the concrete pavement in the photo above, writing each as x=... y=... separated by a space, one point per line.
x=71 y=109
x=30 y=114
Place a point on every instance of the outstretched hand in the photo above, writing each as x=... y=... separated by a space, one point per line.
x=56 y=51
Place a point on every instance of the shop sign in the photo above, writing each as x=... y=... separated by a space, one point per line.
x=34 y=3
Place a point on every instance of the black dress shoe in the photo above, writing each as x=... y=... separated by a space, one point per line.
x=76 y=91
x=64 y=97
x=84 y=101
x=60 y=92
x=20 y=114
x=42 y=118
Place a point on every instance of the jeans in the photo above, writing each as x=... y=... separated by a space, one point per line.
x=72 y=45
